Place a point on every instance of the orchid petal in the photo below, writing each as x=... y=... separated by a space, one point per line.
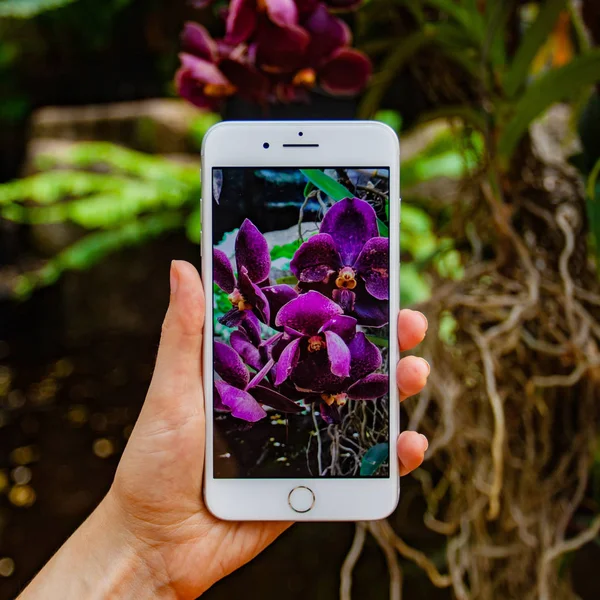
x=327 y=34
x=242 y=404
x=364 y=356
x=314 y=373
x=370 y=387
x=233 y=318
x=217 y=403
x=222 y=271
x=307 y=313
x=351 y=223
x=189 y=88
x=249 y=82
x=254 y=296
x=278 y=296
x=343 y=325
x=346 y=73
x=287 y=361
x=282 y=12
x=330 y=414
x=251 y=326
x=369 y=311
x=202 y=70
x=241 y=21
x=372 y=265
x=280 y=49
x=196 y=40
x=316 y=259
x=338 y=353
x=345 y=298
x=249 y=353
x=272 y=398
x=306 y=7
x=229 y=365
x=252 y=252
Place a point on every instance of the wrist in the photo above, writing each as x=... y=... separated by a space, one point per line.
x=102 y=560
x=136 y=566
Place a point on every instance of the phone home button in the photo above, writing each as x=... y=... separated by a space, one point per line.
x=301 y=499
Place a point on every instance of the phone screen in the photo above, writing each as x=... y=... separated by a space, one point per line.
x=301 y=322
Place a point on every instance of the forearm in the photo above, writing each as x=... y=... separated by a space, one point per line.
x=99 y=562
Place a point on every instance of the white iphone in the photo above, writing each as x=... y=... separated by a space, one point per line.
x=300 y=257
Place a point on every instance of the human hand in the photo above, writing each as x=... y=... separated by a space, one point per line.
x=154 y=520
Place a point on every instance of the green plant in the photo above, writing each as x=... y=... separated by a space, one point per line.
x=111 y=197
x=25 y=9
x=475 y=40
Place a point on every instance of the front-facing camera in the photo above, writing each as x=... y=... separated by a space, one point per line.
x=266 y=145
x=300 y=133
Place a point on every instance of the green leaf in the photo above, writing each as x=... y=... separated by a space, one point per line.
x=384 y=230
x=285 y=250
x=91 y=249
x=391 y=66
x=447 y=328
x=470 y=19
x=392 y=118
x=555 y=86
x=308 y=188
x=533 y=39
x=193 y=227
x=413 y=287
x=123 y=160
x=593 y=205
x=336 y=191
x=379 y=341
x=589 y=132
x=25 y=9
x=201 y=124
x=373 y=459
x=288 y=280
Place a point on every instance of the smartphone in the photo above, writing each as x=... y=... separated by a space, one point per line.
x=300 y=258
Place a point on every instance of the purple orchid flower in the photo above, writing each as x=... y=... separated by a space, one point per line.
x=271 y=28
x=213 y=70
x=348 y=261
x=297 y=44
x=315 y=329
x=253 y=263
x=363 y=383
x=238 y=394
x=251 y=296
x=328 y=60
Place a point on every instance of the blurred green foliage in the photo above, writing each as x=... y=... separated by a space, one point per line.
x=25 y=9
x=475 y=37
x=588 y=162
x=505 y=90
x=112 y=197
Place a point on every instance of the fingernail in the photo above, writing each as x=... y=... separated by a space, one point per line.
x=425 y=442
x=428 y=366
x=425 y=321
x=174 y=277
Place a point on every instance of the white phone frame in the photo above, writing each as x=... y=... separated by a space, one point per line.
x=340 y=144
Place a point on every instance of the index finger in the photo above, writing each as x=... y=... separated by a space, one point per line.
x=412 y=327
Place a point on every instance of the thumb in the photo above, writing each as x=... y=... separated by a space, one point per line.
x=176 y=389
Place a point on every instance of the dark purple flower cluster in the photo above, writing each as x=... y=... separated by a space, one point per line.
x=317 y=353
x=273 y=50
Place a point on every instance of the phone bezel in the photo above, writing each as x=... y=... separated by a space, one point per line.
x=323 y=144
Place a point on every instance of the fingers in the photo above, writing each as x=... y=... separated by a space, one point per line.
x=411 y=376
x=177 y=375
x=411 y=448
x=412 y=327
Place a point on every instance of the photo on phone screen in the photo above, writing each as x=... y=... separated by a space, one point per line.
x=301 y=322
